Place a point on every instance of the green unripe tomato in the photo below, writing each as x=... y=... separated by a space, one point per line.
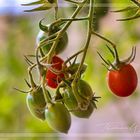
x=61 y=44
x=69 y=99
x=71 y=104
x=38 y=99
x=85 y=90
x=36 y=103
x=58 y=117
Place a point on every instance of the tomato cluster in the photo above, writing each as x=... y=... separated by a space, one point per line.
x=63 y=98
x=57 y=113
x=55 y=99
x=61 y=91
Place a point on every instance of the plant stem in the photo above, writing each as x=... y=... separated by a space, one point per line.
x=59 y=34
x=83 y=104
x=88 y=38
x=51 y=52
x=45 y=92
x=112 y=44
x=104 y=38
x=74 y=2
x=74 y=55
x=33 y=85
x=60 y=20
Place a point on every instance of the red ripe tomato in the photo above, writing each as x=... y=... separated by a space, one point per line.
x=122 y=82
x=52 y=78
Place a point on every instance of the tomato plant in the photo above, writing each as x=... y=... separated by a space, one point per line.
x=72 y=94
x=121 y=77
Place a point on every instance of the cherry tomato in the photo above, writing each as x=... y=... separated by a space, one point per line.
x=61 y=44
x=122 y=82
x=72 y=104
x=52 y=78
x=85 y=90
x=58 y=117
x=36 y=103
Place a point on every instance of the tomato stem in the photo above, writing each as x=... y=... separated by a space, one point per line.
x=82 y=103
x=45 y=92
x=51 y=52
x=74 y=55
x=104 y=38
x=33 y=85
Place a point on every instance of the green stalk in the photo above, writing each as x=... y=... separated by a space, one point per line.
x=117 y=61
x=33 y=85
x=51 y=52
x=45 y=92
x=74 y=2
x=104 y=38
x=74 y=55
x=60 y=33
x=83 y=104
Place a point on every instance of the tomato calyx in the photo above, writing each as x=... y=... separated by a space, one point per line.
x=117 y=64
x=43 y=27
x=47 y=36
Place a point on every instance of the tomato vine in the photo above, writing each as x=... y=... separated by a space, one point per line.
x=72 y=94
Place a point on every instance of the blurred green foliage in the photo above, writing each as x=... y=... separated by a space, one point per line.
x=14 y=114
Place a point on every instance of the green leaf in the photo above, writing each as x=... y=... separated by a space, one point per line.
x=41 y=8
x=34 y=3
x=127 y=9
x=137 y=15
x=46 y=5
x=43 y=27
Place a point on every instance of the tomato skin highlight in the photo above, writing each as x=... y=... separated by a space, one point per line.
x=53 y=79
x=122 y=82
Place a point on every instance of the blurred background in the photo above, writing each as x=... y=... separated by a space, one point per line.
x=115 y=119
